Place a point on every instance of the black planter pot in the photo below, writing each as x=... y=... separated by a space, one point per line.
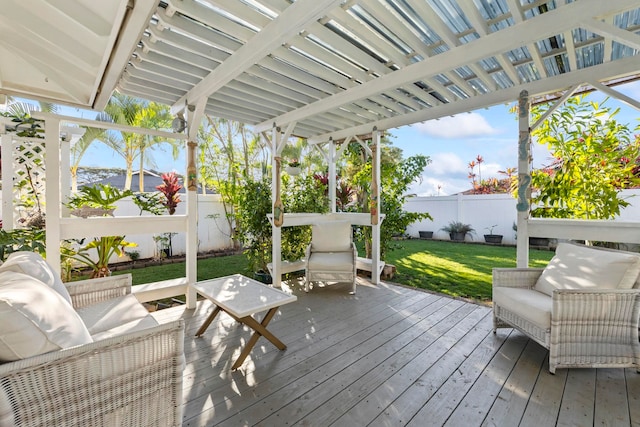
x=262 y=276
x=493 y=238
x=542 y=242
x=426 y=234
x=457 y=236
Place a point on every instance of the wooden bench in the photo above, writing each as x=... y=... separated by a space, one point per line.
x=241 y=297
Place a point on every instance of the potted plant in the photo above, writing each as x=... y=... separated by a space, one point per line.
x=458 y=231
x=293 y=167
x=492 y=238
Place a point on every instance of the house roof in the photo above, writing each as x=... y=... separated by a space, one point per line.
x=319 y=68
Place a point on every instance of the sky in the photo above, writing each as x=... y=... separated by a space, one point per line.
x=451 y=143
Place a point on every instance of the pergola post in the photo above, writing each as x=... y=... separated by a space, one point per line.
x=332 y=175
x=276 y=246
x=524 y=180
x=7 y=180
x=375 y=207
x=52 y=195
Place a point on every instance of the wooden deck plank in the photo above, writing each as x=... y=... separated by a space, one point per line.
x=364 y=356
x=512 y=400
x=611 y=405
x=479 y=398
x=389 y=355
x=577 y=404
x=415 y=357
x=423 y=376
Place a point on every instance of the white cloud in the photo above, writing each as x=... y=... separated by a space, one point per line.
x=459 y=126
x=446 y=164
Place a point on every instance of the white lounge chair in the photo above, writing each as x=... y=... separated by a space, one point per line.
x=331 y=255
x=584 y=306
x=100 y=360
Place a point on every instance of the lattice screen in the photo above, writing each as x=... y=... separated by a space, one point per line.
x=28 y=180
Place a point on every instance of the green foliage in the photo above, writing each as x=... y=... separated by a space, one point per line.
x=458 y=227
x=97 y=196
x=252 y=225
x=595 y=157
x=300 y=195
x=22 y=239
x=396 y=175
x=105 y=247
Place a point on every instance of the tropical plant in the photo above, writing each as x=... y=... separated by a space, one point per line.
x=30 y=239
x=104 y=197
x=458 y=227
x=169 y=188
x=594 y=159
x=123 y=109
x=253 y=227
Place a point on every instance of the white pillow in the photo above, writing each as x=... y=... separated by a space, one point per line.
x=34 y=265
x=583 y=267
x=35 y=319
x=334 y=236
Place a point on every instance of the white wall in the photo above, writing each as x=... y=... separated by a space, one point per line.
x=483 y=211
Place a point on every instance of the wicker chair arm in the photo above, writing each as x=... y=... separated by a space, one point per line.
x=131 y=379
x=605 y=307
x=516 y=277
x=92 y=291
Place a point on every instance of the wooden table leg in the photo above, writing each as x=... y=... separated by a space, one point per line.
x=260 y=330
x=207 y=322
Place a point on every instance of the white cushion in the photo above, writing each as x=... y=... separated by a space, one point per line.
x=132 y=326
x=531 y=305
x=35 y=319
x=111 y=313
x=334 y=236
x=34 y=265
x=583 y=267
x=331 y=261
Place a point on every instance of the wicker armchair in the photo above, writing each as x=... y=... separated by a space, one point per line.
x=331 y=255
x=587 y=328
x=129 y=379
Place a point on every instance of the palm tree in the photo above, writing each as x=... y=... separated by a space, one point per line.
x=126 y=110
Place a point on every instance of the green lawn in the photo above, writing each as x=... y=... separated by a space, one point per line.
x=457 y=269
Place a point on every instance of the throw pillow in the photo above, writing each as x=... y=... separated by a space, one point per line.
x=584 y=267
x=34 y=265
x=334 y=236
x=35 y=319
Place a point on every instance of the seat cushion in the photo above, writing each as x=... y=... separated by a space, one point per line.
x=35 y=319
x=331 y=261
x=334 y=236
x=583 y=267
x=107 y=315
x=34 y=265
x=146 y=322
x=529 y=304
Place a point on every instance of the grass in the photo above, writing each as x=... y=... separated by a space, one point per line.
x=456 y=269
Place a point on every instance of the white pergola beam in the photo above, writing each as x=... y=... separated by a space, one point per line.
x=290 y=22
x=618 y=95
x=626 y=66
x=610 y=31
x=541 y=27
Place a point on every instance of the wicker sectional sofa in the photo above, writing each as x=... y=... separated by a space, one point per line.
x=584 y=306
x=85 y=353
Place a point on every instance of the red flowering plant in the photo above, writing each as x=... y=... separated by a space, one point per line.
x=169 y=188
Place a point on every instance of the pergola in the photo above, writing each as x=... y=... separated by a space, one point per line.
x=330 y=71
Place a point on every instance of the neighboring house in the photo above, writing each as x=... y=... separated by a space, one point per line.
x=151 y=180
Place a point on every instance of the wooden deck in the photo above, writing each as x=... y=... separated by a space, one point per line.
x=390 y=356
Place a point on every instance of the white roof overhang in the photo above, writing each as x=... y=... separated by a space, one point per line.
x=329 y=68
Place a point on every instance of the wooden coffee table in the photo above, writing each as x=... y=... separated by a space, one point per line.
x=241 y=297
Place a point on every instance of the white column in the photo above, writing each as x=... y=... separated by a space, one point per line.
x=53 y=206
x=7 y=182
x=524 y=180
x=191 y=255
x=276 y=232
x=332 y=175
x=375 y=204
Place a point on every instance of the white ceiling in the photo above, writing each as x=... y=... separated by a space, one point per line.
x=323 y=68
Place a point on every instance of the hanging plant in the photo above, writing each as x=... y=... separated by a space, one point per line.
x=170 y=188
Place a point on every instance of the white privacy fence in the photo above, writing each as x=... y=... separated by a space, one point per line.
x=484 y=211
